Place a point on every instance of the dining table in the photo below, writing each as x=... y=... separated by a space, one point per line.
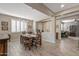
x=35 y=39
x=30 y=36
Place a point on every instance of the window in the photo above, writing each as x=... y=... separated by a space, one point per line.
x=13 y=27
x=25 y=26
x=22 y=26
x=18 y=26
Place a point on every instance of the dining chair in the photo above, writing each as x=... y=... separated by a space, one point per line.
x=37 y=41
x=9 y=37
x=27 y=41
x=21 y=39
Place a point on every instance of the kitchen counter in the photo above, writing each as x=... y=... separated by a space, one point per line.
x=3 y=36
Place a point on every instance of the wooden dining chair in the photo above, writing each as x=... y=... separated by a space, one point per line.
x=27 y=41
x=38 y=38
x=37 y=41
x=9 y=37
x=21 y=39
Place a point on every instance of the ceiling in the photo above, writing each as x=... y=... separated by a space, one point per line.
x=21 y=10
x=56 y=7
x=24 y=11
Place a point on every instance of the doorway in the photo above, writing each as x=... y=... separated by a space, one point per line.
x=69 y=28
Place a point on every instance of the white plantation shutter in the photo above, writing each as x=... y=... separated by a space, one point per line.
x=18 y=26
x=13 y=26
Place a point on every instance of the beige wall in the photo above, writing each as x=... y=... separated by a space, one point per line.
x=34 y=26
x=39 y=26
x=8 y=19
x=45 y=26
x=49 y=33
x=58 y=28
x=30 y=26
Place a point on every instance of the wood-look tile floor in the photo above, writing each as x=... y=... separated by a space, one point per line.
x=65 y=47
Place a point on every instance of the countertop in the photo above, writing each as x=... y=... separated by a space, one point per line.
x=4 y=36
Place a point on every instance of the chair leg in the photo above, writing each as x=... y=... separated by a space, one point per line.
x=25 y=46
x=36 y=46
x=29 y=47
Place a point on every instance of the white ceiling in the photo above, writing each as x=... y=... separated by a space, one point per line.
x=55 y=7
x=21 y=10
x=25 y=11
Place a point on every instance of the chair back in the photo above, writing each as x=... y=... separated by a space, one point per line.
x=38 y=38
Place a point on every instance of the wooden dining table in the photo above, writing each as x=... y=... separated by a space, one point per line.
x=32 y=37
x=29 y=35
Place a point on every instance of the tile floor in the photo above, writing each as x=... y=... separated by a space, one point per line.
x=64 y=47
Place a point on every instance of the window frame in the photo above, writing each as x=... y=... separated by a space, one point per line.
x=16 y=29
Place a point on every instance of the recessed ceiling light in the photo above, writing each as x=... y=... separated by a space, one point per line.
x=62 y=5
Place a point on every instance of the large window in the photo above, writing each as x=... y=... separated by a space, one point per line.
x=18 y=25
x=22 y=26
x=13 y=27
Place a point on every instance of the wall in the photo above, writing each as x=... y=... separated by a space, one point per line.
x=8 y=19
x=58 y=28
x=49 y=30
x=46 y=26
x=30 y=26
x=39 y=26
x=34 y=26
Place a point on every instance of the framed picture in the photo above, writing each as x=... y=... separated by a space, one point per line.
x=4 y=26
